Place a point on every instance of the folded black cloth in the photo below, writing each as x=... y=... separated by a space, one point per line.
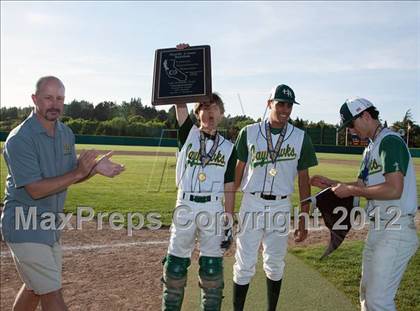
x=339 y=226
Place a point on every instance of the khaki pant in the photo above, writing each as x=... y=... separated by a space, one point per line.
x=39 y=265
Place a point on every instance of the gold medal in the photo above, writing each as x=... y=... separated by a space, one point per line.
x=202 y=177
x=273 y=172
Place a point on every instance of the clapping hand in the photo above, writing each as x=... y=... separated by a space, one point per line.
x=106 y=167
x=86 y=162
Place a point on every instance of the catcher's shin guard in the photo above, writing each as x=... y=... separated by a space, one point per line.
x=239 y=296
x=174 y=281
x=273 y=292
x=211 y=282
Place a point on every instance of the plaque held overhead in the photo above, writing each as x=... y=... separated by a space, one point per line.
x=182 y=75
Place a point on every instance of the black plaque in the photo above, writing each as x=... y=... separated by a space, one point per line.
x=182 y=76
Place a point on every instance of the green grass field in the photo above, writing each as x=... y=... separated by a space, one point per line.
x=343 y=269
x=126 y=148
x=148 y=184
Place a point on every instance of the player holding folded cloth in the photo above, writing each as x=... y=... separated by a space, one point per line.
x=387 y=180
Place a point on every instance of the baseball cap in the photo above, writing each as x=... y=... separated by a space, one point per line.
x=283 y=93
x=351 y=109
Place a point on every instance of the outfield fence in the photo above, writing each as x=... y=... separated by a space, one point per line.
x=172 y=142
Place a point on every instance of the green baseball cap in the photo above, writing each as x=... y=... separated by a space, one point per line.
x=283 y=93
x=351 y=109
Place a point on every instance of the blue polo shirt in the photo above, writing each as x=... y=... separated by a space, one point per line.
x=32 y=155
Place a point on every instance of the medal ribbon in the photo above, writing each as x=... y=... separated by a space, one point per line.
x=274 y=152
x=365 y=172
x=206 y=157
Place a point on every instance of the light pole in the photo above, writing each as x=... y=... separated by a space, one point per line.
x=336 y=136
x=408 y=133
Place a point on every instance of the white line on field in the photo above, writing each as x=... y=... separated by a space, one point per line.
x=98 y=246
x=65 y=248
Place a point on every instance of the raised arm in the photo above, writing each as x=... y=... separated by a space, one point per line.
x=181 y=111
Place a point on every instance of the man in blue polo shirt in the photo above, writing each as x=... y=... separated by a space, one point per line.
x=42 y=163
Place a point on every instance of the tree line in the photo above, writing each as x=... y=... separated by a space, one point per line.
x=132 y=118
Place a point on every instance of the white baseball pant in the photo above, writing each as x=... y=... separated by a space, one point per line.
x=201 y=221
x=385 y=258
x=266 y=222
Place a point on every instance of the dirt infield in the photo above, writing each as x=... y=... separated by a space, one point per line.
x=107 y=270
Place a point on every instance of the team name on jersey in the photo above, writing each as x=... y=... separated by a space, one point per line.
x=193 y=158
x=374 y=167
x=261 y=158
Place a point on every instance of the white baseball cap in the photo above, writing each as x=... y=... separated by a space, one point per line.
x=351 y=109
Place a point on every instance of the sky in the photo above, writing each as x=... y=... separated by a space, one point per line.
x=326 y=51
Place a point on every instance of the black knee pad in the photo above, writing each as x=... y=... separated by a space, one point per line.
x=211 y=282
x=211 y=268
x=175 y=268
x=174 y=281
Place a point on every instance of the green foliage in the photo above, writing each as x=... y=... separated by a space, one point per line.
x=136 y=118
x=299 y=123
x=155 y=124
x=6 y=125
x=9 y=114
x=79 y=110
x=132 y=118
x=137 y=129
x=105 y=111
x=75 y=125
x=131 y=108
x=89 y=127
x=13 y=114
x=118 y=126
x=410 y=129
x=232 y=125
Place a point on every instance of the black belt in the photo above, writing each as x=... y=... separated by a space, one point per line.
x=270 y=196
x=199 y=198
